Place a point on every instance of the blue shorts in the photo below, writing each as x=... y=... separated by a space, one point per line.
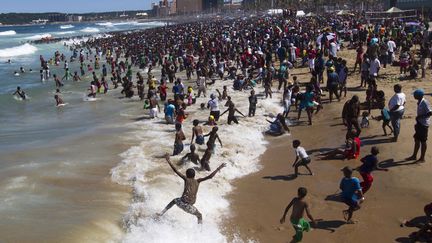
x=352 y=203
x=199 y=140
x=178 y=148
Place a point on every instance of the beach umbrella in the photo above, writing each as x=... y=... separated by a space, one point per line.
x=329 y=36
x=300 y=13
x=394 y=10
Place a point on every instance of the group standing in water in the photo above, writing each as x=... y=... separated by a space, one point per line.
x=251 y=53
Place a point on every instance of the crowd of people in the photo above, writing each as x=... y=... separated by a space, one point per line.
x=251 y=54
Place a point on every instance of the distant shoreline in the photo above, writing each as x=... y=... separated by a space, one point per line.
x=94 y=21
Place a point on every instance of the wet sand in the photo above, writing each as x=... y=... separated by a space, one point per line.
x=259 y=199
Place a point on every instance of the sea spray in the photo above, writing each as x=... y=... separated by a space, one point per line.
x=155 y=185
x=21 y=50
x=90 y=30
x=68 y=26
x=8 y=33
x=39 y=36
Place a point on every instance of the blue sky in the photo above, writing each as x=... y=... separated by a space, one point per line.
x=72 y=6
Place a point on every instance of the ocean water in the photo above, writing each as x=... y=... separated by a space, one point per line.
x=93 y=171
x=55 y=183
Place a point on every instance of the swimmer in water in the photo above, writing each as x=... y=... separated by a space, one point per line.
x=192 y=156
x=20 y=93
x=76 y=77
x=231 y=114
x=92 y=90
x=57 y=81
x=187 y=200
x=22 y=70
x=179 y=137
x=212 y=138
x=58 y=100
x=197 y=132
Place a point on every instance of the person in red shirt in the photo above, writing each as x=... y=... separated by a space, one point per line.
x=351 y=150
x=311 y=58
x=359 y=59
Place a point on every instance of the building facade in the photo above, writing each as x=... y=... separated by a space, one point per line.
x=410 y=4
x=189 y=6
x=212 y=5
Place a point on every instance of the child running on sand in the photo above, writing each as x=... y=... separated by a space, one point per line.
x=188 y=199
x=351 y=193
x=385 y=117
x=299 y=207
x=369 y=164
x=302 y=158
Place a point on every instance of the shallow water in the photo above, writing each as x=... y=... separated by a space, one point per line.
x=93 y=170
x=55 y=184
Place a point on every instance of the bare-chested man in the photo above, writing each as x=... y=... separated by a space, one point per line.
x=179 y=137
x=299 y=207
x=188 y=199
x=197 y=132
x=231 y=114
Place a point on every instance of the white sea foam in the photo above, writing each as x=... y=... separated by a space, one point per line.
x=90 y=30
x=106 y=24
x=65 y=32
x=152 y=23
x=155 y=185
x=8 y=33
x=25 y=49
x=68 y=26
x=39 y=36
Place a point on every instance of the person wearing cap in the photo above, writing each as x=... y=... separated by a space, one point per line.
x=396 y=108
x=369 y=164
x=424 y=112
x=333 y=83
x=351 y=193
x=213 y=104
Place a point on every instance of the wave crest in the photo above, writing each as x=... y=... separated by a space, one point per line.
x=25 y=49
x=8 y=32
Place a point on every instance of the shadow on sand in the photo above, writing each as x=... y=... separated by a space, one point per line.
x=280 y=177
x=391 y=163
x=330 y=225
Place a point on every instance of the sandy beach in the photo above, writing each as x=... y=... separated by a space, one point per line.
x=399 y=194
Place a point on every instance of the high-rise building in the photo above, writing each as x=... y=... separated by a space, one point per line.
x=189 y=6
x=212 y=5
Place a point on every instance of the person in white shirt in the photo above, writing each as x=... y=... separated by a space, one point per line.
x=302 y=158
x=391 y=48
x=333 y=49
x=397 y=109
x=213 y=104
x=374 y=67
